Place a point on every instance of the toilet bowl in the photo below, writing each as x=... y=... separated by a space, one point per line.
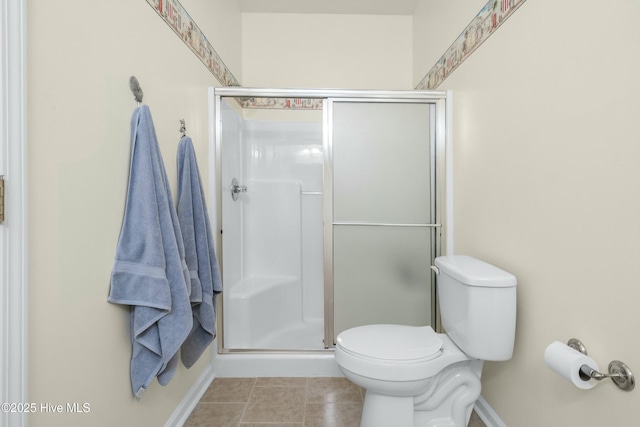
x=415 y=377
x=398 y=378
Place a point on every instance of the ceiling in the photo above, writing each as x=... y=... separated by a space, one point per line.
x=360 y=7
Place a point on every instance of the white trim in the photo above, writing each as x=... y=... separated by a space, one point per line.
x=191 y=399
x=211 y=158
x=487 y=414
x=13 y=282
x=449 y=173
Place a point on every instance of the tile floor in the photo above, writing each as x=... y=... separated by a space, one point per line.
x=282 y=402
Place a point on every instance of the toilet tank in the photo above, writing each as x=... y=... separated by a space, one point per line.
x=477 y=306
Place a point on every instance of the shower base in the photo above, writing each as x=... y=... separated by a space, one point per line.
x=276 y=364
x=266 y=314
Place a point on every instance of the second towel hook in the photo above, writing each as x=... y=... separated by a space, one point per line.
x=183 y=128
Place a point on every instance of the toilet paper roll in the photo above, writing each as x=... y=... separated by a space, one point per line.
x=566 y=362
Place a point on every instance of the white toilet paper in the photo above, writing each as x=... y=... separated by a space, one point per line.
x=566 y=362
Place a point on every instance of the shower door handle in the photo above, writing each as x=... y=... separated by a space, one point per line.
x=236 y=189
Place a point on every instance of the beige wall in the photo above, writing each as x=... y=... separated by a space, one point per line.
x=221 y=23
x=546 y=166
x=80 y=56
x=326 y=51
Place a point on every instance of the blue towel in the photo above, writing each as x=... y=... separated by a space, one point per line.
x=150 y=273
x=200 y=255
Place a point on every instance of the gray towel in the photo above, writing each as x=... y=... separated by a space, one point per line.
x=200 y=255
x=149 y=273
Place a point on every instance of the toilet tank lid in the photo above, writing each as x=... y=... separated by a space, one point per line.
x=473 y=272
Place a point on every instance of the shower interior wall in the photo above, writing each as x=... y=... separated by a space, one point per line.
x=272 y=260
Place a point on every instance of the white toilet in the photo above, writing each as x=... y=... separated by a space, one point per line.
x=415 y=377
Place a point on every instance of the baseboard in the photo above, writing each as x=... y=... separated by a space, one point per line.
x=487 y=414
x=192 y=398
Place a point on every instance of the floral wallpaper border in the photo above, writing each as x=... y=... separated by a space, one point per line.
x=488 y=20
x=176 y=16
x=281 y=103
x=491 y=16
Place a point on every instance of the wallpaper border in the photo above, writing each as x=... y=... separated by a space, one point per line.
x=486 y=22
x=176 y=16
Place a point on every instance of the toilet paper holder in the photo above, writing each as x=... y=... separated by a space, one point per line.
x=619 y=372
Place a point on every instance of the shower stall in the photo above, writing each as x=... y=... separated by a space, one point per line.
x=330 y=211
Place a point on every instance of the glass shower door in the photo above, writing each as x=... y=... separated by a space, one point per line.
x=379 y=212
x=271 y=228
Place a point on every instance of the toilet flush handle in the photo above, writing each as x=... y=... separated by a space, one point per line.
x=435 y=270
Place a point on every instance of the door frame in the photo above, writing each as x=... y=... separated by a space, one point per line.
x=13 y=231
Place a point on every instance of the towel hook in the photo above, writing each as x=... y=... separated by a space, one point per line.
x=135 y=88
x=183 y=128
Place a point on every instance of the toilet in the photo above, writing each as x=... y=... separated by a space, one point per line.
x=415 y=377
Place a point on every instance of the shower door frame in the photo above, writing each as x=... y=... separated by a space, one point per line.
x=441 y=185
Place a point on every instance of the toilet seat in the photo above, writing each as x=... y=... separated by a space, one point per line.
x=397 y=343
x=393 y=352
